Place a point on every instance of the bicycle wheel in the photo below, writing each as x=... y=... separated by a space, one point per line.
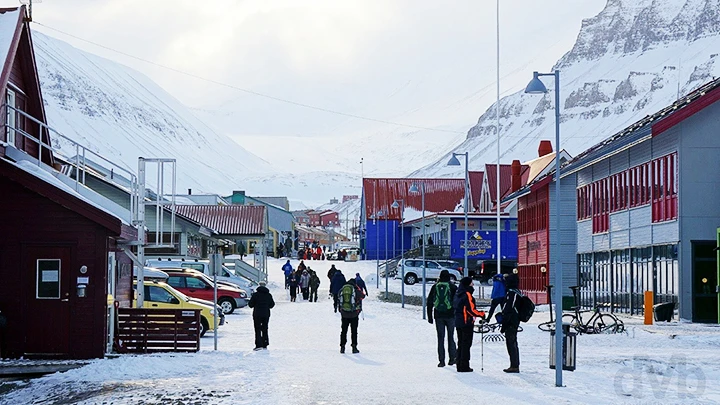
x=520 y=328
x=620 y=325
x=547 y=326
x=482 y=328
x=605 y=323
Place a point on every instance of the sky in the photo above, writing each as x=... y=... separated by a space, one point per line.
x=414 y=62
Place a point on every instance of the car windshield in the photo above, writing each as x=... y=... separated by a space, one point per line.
x=178 y=293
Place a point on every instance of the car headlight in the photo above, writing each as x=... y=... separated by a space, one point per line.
x=243 y=295
x=212 y=312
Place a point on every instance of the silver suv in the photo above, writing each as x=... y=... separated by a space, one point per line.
x=413 y=270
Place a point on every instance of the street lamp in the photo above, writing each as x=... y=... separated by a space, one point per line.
x=377 y=249
x=455 y=162
x=395 y=205
x=414 y=189
x=536 y=86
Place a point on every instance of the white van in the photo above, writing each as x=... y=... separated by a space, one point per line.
x=413 y=270
x=228 y=276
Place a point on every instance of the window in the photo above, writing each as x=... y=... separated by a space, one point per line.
x=664 y=197
x=48 y=279
x=432 y=265
x=176 y=281
x=195 y=283
x=193 y=266
x=11 y=117
x=158 y=294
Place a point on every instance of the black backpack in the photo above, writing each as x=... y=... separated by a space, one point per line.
x=524 y=306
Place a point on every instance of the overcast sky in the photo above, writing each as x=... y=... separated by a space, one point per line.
x=429 y=63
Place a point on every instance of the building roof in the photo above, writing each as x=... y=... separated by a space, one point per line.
x=476 y=181
x=505 y=179
x=228 y=219
x=440 y=195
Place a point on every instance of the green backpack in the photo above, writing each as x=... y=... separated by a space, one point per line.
x=442 y=297
x=347 y=298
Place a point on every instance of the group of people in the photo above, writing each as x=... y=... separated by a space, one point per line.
x=311 y=253
x=303 y=278
x=453 y=309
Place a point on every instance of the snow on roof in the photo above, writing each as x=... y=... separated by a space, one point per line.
x=53 y=179
x=8 y=26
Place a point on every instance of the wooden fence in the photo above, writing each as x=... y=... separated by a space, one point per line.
x=142 y=330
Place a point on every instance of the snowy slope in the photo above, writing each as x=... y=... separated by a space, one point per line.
x=122 y=114
x=632 y=59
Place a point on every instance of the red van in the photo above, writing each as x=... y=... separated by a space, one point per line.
x=195 y=284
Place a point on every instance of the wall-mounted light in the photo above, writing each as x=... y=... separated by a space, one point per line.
x=83 y=269
x=515 y=270
x=543 y=269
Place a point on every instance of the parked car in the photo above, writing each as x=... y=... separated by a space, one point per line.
x=451 y=264
x=413 y=270
x=161 y=295
x=198 y=285
x=227 y=276
x=488 y=268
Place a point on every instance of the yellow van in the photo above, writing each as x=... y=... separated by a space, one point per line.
x=161 y=295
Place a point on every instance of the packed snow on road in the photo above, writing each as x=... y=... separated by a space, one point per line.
x=397 y=363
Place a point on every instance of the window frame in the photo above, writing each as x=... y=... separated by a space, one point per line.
x=38 y=279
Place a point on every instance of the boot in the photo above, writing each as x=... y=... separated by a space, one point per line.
x=512 y=370
x=355 y=350
x=451 y=362
x=342 y=349
x=441 y=364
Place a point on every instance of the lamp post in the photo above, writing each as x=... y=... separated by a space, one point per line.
x=455 y=162
x=536 y=86
x=385 y=256
x=414 y=189
x=395 y=205
x=377 y=249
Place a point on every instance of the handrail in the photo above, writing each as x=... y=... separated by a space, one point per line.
x=80 y=170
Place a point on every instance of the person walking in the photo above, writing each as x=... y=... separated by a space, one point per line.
x=293 y=285
x=350 y=304
x=314 y=285
x=510 y=322
x=305 y=284
x=301 y=267
x=287 y=269
x=261 y=303
x=331 y=272
x=498 y=294
x=338 y=281
x=441 y=306
x=361 y=284
x=465 y=314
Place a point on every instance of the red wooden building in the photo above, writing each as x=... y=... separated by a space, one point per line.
x=329 y=217
x=53 y=241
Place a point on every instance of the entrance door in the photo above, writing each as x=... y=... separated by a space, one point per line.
x=47 y=275
x=705 y=303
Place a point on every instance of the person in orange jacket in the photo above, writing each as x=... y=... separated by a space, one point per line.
x=465 y=314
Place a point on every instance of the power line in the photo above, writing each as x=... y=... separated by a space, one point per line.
x=255 y=93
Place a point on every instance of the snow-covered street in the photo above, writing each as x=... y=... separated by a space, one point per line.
x=397 y=364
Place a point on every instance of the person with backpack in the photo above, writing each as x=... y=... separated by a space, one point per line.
x=261 y=303
x=294 y=281
x=350 y=303
x=498 y=294
x=440 y=299
x=287 y=269
x=331 y=272
x=338 y=281
x=514 y=308
x=314 y=285
x=465 y=314
x=361 y=284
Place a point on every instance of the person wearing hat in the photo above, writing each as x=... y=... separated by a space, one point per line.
x=261 y=303
x=510 y=322
x=465 y=314
x=440 y=300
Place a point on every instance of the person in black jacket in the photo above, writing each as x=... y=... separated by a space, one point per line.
x=465 y=314
x=510 y=322
x=440 y=302
x=261 y=303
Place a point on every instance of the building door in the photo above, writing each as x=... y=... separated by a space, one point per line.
x=705 y=272
x=48 y=289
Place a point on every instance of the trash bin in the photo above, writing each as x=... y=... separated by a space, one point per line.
x=664 y=312
x=569 y=345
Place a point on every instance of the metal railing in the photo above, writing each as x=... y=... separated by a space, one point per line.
x=79 y=165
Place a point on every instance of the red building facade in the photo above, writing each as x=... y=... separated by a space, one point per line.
x=533 y=242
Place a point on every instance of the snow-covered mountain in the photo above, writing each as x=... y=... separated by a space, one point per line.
x=348 y=214
x=122 y=114
x=632 y=59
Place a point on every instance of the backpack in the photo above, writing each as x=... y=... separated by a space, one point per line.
x=524 y=306
x=442 y=297
x=347 y=298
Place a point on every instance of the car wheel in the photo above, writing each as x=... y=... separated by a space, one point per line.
x=410 y=279
x=204 y=326
x=227 y=305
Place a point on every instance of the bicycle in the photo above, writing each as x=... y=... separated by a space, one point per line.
x=597 y=323
x=548 y=326
x=484 y=327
